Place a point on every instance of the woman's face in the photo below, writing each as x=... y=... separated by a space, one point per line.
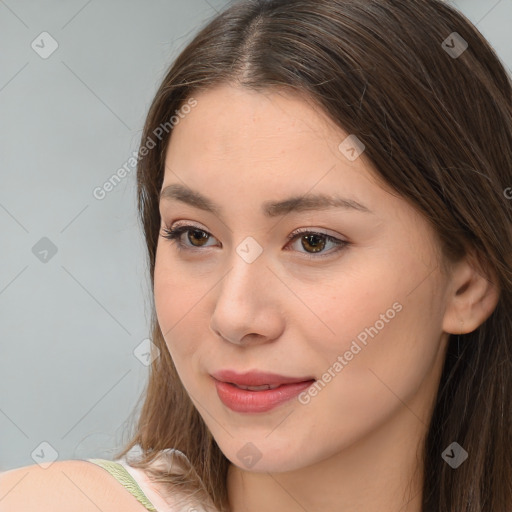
x=360 y=313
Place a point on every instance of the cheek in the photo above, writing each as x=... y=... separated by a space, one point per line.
x=385 y=348
x=177 y=303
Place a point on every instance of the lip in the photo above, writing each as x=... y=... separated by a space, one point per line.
x=257 y=378
x=247 y=401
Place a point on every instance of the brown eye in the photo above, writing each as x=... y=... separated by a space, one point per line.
x=314 y=241
x=197 y=235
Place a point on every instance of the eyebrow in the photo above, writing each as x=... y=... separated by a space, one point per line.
x=178 y=192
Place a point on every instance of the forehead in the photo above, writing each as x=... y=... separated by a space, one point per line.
x=236 y=132
x=235 y=121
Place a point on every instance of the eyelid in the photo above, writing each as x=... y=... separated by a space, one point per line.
x=180 y=223
x=323 y=231
x=187 y=223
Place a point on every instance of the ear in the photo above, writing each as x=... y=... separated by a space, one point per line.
x=473 y=294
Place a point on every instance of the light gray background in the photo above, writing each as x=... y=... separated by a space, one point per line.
x=70 y=325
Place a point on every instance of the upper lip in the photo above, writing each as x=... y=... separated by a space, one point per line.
x=256 y=378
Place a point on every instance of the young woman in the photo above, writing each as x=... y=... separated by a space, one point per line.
x=325 y=192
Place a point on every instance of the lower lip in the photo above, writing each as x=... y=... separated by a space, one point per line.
x=244 y=400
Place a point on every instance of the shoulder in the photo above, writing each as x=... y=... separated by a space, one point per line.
x=76 y=485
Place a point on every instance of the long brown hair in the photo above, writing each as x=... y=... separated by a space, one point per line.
x=437 y=125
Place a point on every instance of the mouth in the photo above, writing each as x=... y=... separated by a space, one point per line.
x=257 y=392
x=256 y=379
x=256 y=388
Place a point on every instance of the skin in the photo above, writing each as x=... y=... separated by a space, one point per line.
x=355 y=445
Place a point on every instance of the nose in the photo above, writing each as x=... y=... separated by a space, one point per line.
x=248 y=308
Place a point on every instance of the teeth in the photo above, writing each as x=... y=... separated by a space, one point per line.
x=258 y=388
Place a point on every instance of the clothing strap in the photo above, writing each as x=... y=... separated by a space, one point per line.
x=121 y=475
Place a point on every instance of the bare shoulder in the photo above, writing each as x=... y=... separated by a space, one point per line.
x=66 y=485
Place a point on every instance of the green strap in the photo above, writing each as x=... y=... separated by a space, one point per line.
x=119 y=472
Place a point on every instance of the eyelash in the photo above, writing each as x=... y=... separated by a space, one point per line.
x=174 y=234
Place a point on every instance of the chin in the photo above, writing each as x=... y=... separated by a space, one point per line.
x=267 y=456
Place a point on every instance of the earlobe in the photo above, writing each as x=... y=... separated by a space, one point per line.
x=473 y=296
